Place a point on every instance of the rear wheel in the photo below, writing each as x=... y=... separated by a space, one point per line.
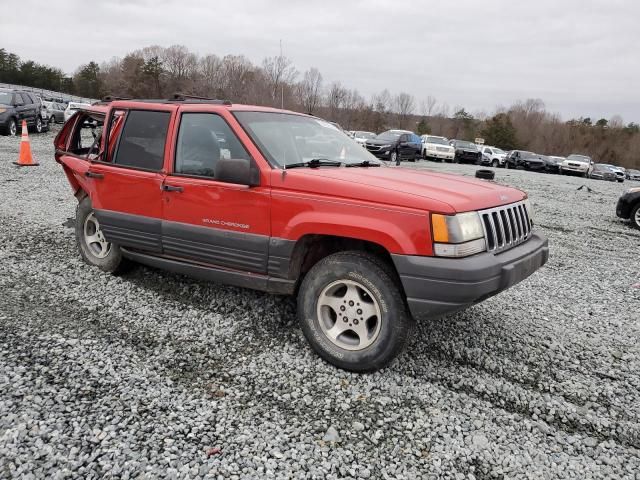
x=352 y=312
x=94 y=248
x=38 y=125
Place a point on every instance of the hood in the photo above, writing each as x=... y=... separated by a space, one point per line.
x=375 y=141
x=466 y=149
x=570 y=160
x=439 y=145
x=400 y=187
x=4 y=105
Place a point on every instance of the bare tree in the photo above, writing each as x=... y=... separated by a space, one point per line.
x=279 y=72
x=427 y=107
x=310 y=90
x=335 y=99
x=616 y=122
x=404 y=105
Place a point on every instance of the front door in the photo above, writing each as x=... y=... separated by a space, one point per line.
x=127 y=180
x=207 y=220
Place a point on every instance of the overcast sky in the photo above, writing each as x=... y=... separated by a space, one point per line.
x=581 y=57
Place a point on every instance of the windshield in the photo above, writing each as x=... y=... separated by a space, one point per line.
x=288 y=138
x=366 y=135
x=5 y=98
x=529 y=155
x=388 y=136
x=579 y=158
x=463 y=144
x=498 y=151
x=438 y=140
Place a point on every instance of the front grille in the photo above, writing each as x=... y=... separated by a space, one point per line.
x=442 y=149
x=373 y=148
x=506 y=226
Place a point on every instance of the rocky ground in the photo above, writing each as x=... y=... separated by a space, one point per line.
x=153 y=375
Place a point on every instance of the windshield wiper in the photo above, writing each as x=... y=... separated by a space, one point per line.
x=364 y=163
x=314 y=163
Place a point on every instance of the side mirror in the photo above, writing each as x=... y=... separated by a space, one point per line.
x=237 y=170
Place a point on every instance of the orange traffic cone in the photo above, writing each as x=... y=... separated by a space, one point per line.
x=25 y=159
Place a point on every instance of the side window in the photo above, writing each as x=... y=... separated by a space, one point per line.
x=203 y=139
x=17 y=98
x=141 y=144
x=87 y=136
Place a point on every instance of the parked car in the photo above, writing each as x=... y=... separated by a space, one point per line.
x=362 y=137
x=601 y=171
x=524 y=159
x=551 y=163
x=395 y=144
x=55 y=110
x=632 y=174
x=492 y=156
x=364 y=249
x=619 y=171
x=437 y=148
x=16 y=106
x=628 y=206
x=574 y=163
x=72 y=108
x=466 y=152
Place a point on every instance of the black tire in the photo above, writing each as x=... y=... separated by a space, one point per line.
x=37 y=126
x=495 y=163
x=113 y=261
x=635 y=216
x=393 y=157
x=11 y=129
x=485 y=174
x=456 y=160
x=372 y=274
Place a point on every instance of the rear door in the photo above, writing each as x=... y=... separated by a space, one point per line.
x=208 y=220
x=127 y=178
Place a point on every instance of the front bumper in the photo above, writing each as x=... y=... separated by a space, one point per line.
x=435 y=286
x=573 y=168
x=439 y=155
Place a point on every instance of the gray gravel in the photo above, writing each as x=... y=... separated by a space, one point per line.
x=153 y=375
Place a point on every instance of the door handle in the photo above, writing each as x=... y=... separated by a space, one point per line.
x=90 y=174
x=171 y=188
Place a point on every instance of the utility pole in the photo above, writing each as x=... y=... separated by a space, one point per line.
x=282 y=84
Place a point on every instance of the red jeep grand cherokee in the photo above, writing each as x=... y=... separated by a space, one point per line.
x=286 y=203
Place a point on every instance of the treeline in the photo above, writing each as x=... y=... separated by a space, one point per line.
x=158 y=72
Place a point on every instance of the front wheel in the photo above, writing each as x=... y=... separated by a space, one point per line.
x=635 y=216
x=495 y=163
x=94 y=248
x=352 y=312
x=38 y=125
x=12 y=128
x=393 y=157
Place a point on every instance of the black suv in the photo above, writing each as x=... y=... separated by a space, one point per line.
x=16 y=106
x=524 y=159
x=395 y=145
x=465 y=151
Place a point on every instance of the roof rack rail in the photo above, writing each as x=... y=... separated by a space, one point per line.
x=112 y=98
x=182 y=97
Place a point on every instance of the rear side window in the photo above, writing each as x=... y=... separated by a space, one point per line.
x=203 y=139
x=141 y=144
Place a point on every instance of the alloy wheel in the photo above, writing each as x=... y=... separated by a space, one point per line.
x=349 y=315
x=94 y=238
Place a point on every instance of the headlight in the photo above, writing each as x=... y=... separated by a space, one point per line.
x=385 y=146
x=458 y=235
x=529 y=208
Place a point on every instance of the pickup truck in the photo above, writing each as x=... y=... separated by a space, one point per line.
x=286 y=203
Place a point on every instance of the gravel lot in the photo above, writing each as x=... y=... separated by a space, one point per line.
x=153 y=375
